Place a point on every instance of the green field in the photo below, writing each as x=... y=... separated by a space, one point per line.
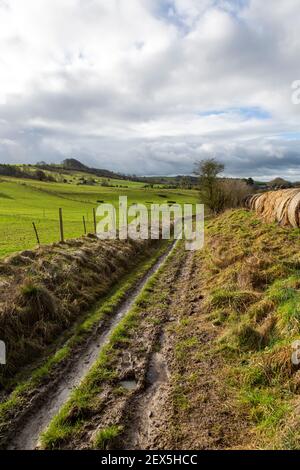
x=25 y=201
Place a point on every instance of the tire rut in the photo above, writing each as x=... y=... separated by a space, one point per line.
x=147 y=420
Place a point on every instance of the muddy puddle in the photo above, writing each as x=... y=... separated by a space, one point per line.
x=129 y=384
x=148 y=405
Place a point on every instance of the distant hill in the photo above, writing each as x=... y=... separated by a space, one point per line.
x=73 y=164
x=280 y=183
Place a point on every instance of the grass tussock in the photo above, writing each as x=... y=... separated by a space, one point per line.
x=104 y=437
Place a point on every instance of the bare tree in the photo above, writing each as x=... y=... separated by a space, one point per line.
x=219 y=193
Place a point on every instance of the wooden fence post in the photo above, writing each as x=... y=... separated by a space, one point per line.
x=84 y=224
x=36 y=233
x=95 y=222
x=61 y=226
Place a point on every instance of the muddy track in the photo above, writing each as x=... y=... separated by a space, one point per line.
x=149 y=415
x=206 y=418
x=27 y=437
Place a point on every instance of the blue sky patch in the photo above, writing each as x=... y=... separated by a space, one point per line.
x=247 y=112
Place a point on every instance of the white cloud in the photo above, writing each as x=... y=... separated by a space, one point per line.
x=149 y=86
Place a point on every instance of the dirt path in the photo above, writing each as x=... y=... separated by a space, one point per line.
x=149 y=422
x=149 y=413
x=186 y=403
x=38 y=420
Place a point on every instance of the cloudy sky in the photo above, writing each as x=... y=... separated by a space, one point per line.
x=151 y=86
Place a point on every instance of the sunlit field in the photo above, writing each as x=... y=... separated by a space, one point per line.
x=25 y=201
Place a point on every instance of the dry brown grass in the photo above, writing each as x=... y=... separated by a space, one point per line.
x=42 y=292
x=277 y=364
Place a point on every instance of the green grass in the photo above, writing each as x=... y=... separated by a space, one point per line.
x=267 y=408
x=104 y=436
x=25 y=201
x=184 y=346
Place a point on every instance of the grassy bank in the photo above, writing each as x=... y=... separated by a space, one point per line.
x=45 y=291
x=250 y=272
